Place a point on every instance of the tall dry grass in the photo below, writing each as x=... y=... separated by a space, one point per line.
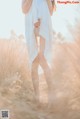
x=16 y=90
x=66 y=77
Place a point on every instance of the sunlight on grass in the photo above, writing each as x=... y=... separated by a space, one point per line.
x=16 y=90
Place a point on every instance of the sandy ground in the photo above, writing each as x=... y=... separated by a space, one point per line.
x=16 y=89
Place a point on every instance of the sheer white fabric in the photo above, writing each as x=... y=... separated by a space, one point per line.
x=45 y=29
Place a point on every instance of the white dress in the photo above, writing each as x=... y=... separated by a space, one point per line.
x=39 y=9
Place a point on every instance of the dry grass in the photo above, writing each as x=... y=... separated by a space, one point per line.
x=16 y=91
x=15 y=82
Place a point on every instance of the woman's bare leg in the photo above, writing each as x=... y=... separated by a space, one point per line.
x=45 y=66
x=35 y=78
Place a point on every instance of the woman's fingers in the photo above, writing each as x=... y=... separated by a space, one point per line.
x=54 y=8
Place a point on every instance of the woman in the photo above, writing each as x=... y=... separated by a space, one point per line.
x=38 y=27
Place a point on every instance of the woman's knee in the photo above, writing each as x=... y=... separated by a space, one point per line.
x=35 y=63
x=41 y=57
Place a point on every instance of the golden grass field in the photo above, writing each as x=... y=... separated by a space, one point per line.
x=16 y=90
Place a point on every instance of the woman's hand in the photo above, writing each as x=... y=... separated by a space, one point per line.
x=26 y=5
x=51 y=6
x=54 y=8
